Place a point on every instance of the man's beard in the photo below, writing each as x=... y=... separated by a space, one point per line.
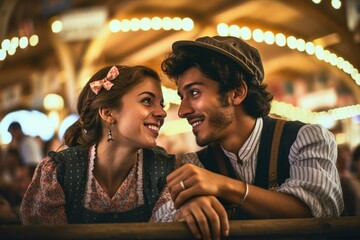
x=218 y=120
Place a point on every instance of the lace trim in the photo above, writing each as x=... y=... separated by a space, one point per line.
x=88 y=191
x=139 y=189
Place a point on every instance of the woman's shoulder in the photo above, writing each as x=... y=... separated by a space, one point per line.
x=76 y=152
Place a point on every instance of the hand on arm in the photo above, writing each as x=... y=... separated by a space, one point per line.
x=205 y=216
x=196 y=181
x=260 y=203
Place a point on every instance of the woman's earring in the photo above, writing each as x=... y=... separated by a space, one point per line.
x=110 y=137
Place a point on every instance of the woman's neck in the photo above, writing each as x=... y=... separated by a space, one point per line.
x=112 y=165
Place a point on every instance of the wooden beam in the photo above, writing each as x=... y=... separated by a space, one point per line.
x=314 y=228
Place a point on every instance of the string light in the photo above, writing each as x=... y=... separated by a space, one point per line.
x=8 y=47
x=288 y=110
x=155 y=23
x=293 y=43
x=336 y=4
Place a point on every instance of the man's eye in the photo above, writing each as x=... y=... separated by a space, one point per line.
x=194 y=92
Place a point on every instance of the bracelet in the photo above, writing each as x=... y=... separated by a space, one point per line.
x=246 y=194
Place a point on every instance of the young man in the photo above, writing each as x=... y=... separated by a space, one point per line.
x=223 y=97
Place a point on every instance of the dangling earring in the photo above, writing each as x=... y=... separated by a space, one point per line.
x=110 y=137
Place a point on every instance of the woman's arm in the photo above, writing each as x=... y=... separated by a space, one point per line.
x=44 y=200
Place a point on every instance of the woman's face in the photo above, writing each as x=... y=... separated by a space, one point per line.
x=141 y=115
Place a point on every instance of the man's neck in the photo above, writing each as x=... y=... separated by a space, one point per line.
x=237 y=134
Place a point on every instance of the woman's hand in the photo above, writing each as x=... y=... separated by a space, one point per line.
x=205 y=216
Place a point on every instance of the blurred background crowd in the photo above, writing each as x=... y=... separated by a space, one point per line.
x=49 y=48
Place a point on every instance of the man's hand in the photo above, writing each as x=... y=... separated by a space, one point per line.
x=189 y=181
x=205 y=216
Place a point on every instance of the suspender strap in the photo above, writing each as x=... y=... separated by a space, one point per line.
x=273 y=156
x=273 y=183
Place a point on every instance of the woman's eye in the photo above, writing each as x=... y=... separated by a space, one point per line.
x=147 y=101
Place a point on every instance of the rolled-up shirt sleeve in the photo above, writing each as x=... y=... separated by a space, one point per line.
x=313 y=175
x=164 y=209
x=44 y=200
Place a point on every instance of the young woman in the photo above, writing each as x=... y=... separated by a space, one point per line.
x=112 y=170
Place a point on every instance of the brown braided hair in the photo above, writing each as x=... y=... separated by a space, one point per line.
x=87 y=130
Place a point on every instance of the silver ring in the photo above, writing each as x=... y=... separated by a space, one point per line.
x=182 y=185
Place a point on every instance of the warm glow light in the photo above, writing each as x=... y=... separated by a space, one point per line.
x=34 y=40
x=258 y=35
x=336 y=4
x=145 y=24
x=326 y=56
x=114 y=25
x=176 y=23
x=300 y=45
x=188 y=24
x=23 y=42
x=166 y=23
x=291 y=42
x=281 y=109
x=222 y=29
x=310 y=48
x=14 y=42
x=67 y=122
x=2 y=55
x=5 y=45
x=234 y=31
x=280 y=39
x=269 y=37
x=53 y=102
x=156 y=23
x=319 y=52
x=54 y=119
x=333 y=59
x=125 y=25
x=134 y=24
x=245 y=33
x=56 y=26
x=11 y=51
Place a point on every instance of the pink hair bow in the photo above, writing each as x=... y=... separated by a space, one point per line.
x=105 y=82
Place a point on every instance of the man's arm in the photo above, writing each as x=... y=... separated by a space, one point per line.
x=313 y=185
x=260 y=203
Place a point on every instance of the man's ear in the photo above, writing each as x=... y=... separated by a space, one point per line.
x=239 y=93
x=106 y=115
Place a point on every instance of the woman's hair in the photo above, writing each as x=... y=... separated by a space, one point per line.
x=223 y=70
x=87 y=130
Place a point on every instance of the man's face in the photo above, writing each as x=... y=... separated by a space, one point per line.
x=201 y=106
